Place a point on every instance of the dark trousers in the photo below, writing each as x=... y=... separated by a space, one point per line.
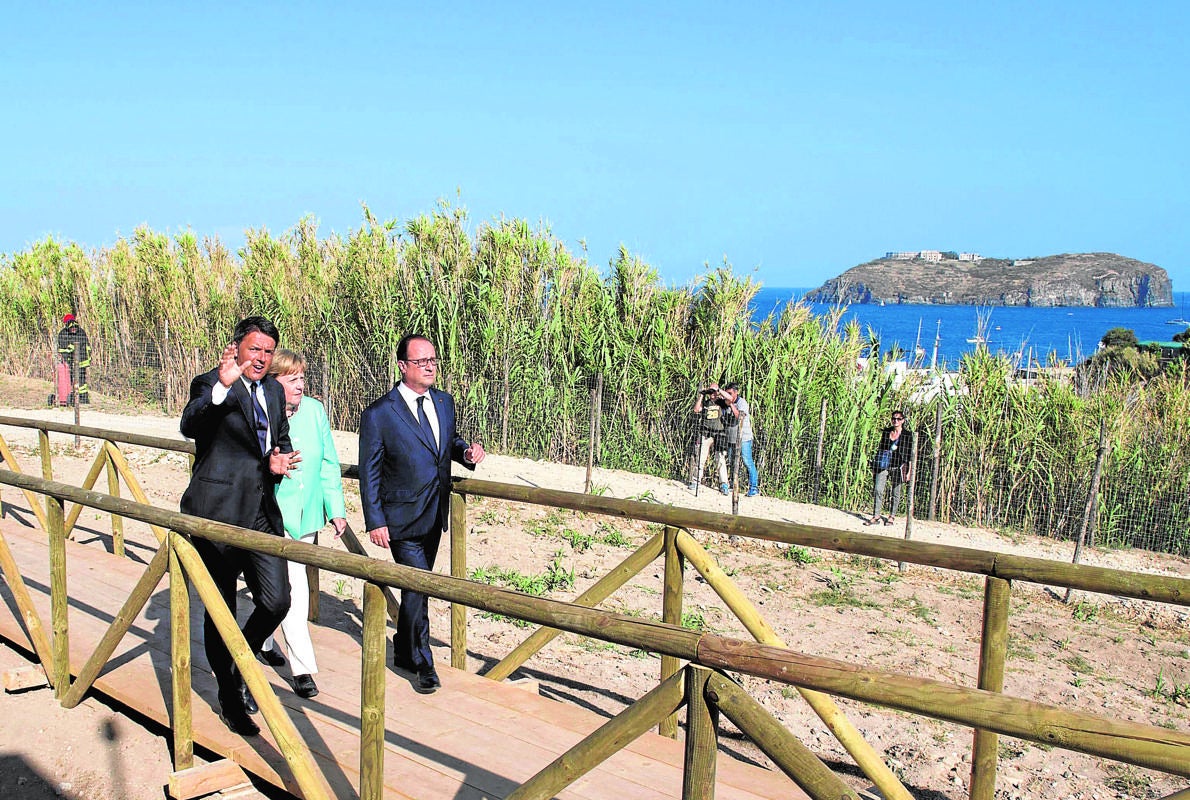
x=268 y=580
x=411 y=644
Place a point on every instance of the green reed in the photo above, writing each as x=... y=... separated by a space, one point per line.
x=523 y=325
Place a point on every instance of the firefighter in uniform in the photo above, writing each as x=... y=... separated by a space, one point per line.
x=75 y=353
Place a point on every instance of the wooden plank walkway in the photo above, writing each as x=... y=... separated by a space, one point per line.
x=474 y=738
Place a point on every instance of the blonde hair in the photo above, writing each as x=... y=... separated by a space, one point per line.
x=287 y=362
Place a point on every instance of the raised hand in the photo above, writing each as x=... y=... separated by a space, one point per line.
x=230 y=370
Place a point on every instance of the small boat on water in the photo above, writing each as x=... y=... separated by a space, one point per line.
x=977 y=339
x=1180 y=320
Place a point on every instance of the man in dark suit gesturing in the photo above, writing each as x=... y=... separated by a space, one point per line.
x=407 y=440
x=236 y=417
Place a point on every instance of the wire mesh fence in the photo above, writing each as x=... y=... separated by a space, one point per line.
x=801 y=454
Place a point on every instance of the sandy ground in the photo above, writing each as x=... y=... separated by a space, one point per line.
x=1121 y=658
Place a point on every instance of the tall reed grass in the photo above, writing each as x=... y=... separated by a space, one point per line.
x=523 y=325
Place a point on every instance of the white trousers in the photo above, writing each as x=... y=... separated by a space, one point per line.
x=295 y=625
x=704 y=450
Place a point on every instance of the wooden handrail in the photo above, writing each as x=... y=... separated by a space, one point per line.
x=1135 y=743
x=1082 y=732
x=1104 y=580
x=1161 y=588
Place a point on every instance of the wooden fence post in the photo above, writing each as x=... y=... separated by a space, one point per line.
x=47 y=463
x=458 y=568
x=993 y=650
x=912 y=484
x=1092 y=492
x=504 y=415
x=179 y=640
x=60 y=644
x=593 y=420
x=113 y=488
x=937 y=465
x=77 y=419
x=599 y=416
x=371 y=734
x=702 y=738
x=733 y=452
x=671 y=614
x=326 y=386
x=818 y=452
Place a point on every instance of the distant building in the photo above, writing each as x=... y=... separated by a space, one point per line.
x=927 y=255
x=1166 y=351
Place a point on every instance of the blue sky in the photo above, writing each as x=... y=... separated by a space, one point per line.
x=793 y=139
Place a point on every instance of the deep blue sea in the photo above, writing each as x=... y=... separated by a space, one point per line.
x=1071 y=333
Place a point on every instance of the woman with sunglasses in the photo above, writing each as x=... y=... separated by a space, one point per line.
x=892 y=456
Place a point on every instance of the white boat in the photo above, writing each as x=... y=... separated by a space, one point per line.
x=1181 y=320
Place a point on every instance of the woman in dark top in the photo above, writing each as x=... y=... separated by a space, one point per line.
x=892 y=457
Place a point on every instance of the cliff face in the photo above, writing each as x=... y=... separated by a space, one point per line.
x=1104 y=280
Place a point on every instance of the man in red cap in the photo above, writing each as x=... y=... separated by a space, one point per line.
x=75 y=353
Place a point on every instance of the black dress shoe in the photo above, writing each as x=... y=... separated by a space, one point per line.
x=233 y=716
x=304 y=686
x=427 y=681
x=246 y=699
x=271 y=657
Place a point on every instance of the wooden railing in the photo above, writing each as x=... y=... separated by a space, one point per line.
x=705 y=694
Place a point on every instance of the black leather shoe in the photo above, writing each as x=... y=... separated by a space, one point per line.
x=427 y=682
x=271 y=657
x=304 y=686
x=246 y=699
x=233 y=716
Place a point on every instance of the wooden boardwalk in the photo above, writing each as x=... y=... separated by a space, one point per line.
x=474 y=738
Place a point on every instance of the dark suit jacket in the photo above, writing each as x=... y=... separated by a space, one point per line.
x=404 y=480
x=231 y=478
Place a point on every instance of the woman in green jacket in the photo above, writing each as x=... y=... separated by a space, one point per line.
x=309 y=496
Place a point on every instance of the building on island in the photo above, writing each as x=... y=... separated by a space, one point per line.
x=928 y=255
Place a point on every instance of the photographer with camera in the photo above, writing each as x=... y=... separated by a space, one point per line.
x=744 y=437
x=712 y=407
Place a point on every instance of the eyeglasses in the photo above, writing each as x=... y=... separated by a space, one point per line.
x=423 y=362
x=898 y=419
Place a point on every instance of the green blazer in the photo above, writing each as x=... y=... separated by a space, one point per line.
x=313 y=493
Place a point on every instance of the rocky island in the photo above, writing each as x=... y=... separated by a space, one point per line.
x=1103 y=280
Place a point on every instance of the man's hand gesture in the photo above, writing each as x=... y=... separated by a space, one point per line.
x=229 y=369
